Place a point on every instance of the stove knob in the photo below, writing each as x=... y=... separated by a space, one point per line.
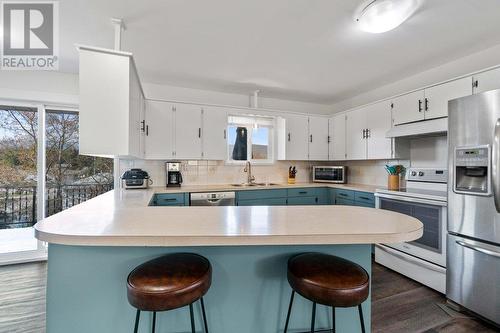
x=421 y=173
x=413 y=173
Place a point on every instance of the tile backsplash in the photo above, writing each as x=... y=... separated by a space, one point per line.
x=218 y=172
x=424 y=152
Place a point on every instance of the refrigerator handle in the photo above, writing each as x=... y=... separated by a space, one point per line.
x=495 y=165
x=478 y=248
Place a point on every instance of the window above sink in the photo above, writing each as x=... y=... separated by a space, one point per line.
x=250 y=138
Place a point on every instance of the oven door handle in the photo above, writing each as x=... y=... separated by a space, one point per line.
x=408 y=257
x=413 y=200
x=478 y=248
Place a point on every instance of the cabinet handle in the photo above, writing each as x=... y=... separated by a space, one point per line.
x=224 y=134
x=419 y=105
x=426 y=106
x=147 y=130
x=288 y=136
x=364 y=133
x=303 y=192
x=143 y=125
x=475 y=84
x=328 y=139
x=311 y=138
x=199 y=132
x=169 y=199
x=364 y=198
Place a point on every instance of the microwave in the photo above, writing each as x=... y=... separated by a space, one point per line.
x=329 y=174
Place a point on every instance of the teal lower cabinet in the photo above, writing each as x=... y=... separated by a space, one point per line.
x=263 y=202
x=332 y=195
x=345 y=202
x=352 y=198
x=297 y=201
x=308 y=196
x=281 y=197
x=170 y=199
x=364 y=199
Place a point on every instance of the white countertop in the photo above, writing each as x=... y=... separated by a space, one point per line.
x=229 y=187
x=122 y=218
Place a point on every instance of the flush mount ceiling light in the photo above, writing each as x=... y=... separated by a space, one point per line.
x=377 y=16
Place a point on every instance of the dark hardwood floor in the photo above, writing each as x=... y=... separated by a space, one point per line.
x=399 y=305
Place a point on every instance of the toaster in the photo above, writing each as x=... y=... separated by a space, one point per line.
x=135 y=178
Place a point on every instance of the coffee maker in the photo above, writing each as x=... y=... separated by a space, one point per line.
x=174 y=176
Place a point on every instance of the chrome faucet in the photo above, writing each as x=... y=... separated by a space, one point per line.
x=248 y=169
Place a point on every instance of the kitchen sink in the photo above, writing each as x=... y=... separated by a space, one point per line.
x=254 y=184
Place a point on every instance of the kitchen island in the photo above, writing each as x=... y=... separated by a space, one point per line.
x=93 y=246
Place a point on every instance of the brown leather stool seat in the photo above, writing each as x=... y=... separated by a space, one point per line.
x=169 y=282
x=328 y=280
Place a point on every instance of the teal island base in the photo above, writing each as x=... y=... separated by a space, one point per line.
x=86 y=291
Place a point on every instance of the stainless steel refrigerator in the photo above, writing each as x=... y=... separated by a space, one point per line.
x=473 y=243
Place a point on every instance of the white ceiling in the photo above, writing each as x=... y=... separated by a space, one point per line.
x=308 y=50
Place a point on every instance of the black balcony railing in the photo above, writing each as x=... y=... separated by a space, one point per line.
x=18 y=204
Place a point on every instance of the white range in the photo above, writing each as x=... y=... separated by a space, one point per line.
x=425 y=198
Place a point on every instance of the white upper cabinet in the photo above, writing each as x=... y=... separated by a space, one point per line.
x=429 y=103
x=187 y=131
x=214 y=136
x=318 y=139
x=336 y=131
x=378 y=122
x=111 y=104
x=356 y=134
x=485 y=81
x=408 y=108
x=437 y=97
x=297 y=137
x=159 y=130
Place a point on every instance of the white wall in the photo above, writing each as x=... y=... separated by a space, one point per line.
x=472 y=63
x=62 y=88
x=39 y=86
x=429 y=152
x=156 y=91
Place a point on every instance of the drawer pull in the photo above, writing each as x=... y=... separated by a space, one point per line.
x=303 y=192
x=169 y=199
x=343 y=195
x=365 y=198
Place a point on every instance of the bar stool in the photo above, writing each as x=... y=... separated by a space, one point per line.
x=169 y=282
x=327 y=280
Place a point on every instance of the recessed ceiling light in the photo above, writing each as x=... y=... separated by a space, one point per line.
x=378 y=16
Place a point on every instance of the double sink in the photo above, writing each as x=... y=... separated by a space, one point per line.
x=253 y=184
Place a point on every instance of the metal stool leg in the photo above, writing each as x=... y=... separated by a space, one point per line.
x=154 y=321
x=137 y=316
x=333 y=319
x=313 y=319
x=361 y=318
x=204 y=314
x=289 y=311
x=192 y=318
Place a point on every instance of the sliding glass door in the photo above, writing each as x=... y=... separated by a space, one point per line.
x=41 y=173
x=19 y=137
x=70 y=178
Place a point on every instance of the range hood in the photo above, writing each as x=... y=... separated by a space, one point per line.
x=421 y=128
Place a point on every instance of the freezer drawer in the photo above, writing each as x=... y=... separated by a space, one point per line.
x=473 y=276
